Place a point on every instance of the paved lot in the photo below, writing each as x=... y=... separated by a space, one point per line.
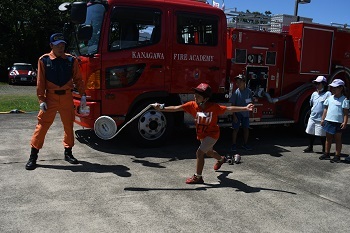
x=118 y=187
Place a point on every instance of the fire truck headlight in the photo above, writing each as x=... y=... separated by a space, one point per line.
x=94 y=80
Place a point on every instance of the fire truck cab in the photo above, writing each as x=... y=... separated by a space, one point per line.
x=134 y=53
x=142 y=52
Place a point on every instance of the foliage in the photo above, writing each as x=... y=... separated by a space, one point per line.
x=26 y=27
x=253 y=17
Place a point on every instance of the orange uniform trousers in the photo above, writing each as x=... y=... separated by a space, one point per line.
x=63 y=104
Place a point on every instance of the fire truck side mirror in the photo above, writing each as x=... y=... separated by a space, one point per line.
x=84 y=32
x=78 y=12
x=67 y=30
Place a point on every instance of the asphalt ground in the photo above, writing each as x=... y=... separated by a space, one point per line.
x=118 y=187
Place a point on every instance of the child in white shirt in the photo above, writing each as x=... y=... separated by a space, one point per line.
x=335 y=119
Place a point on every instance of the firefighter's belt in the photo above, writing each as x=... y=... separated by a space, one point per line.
x=59 y=92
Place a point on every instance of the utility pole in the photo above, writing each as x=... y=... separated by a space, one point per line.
x=297 y=5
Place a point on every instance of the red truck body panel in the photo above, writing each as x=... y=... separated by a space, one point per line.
x=195 y=45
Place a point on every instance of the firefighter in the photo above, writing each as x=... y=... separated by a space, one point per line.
x=57 y=73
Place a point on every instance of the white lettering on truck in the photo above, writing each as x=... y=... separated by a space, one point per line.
x=192 y=57
x=201 y=58
x=180 y=57
x=176 y=56
x=148 y=55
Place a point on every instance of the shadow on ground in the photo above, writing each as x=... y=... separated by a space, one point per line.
x=224 y=182
x=84 y=166
x=270 y=140
x=181 y=145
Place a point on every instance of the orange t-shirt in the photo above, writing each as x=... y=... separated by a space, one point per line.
x=205 y=119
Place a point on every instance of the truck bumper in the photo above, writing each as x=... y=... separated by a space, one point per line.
x=89 y=120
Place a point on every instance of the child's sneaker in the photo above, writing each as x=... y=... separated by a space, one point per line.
x=336 y=159
x=246 y=147
x=309 y=149
x=219 y=163
x=324 y=157
x=195 y=180
x=234 y=148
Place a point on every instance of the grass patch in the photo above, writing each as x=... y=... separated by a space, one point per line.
x=27 y=103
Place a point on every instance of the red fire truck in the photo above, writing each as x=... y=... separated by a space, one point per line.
x=133 y=53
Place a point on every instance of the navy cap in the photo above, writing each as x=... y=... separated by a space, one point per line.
x=57 y=38
x=240 y=76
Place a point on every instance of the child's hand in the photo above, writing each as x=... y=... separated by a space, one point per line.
x=158 y=106
x=343 y=126
x=250 y=107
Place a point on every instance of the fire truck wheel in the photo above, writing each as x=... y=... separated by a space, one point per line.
x=152 y=128
x=304 y=116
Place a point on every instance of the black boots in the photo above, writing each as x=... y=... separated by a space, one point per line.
x=68 y=156
x=31 y=164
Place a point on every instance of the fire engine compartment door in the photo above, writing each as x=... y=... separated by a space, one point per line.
x=316 y=51
x=197 y=51
x=134 y=60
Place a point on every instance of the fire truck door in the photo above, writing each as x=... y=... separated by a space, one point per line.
x=316 y=51
x=197 y=50
x=134 y=60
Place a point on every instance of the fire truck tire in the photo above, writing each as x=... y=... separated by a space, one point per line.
x=304 y=116
x=152 y=128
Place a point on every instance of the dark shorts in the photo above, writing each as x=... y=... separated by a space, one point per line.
x=332 y=127
x=240 y=120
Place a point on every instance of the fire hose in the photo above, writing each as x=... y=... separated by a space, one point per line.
x=106 y=128
x=289 y=95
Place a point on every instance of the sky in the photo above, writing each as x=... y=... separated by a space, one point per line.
x=321 y=11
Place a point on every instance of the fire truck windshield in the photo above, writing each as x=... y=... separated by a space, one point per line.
x=94 y=17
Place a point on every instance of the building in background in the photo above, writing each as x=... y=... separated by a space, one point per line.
x=275 y=23
x=280 y=23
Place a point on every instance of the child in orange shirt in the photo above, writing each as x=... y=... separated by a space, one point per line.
x=205 y=114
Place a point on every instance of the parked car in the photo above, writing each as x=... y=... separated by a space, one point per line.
x=22 y=73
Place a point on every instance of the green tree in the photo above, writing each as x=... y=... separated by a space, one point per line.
x=26 y=27
x=253 y=17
